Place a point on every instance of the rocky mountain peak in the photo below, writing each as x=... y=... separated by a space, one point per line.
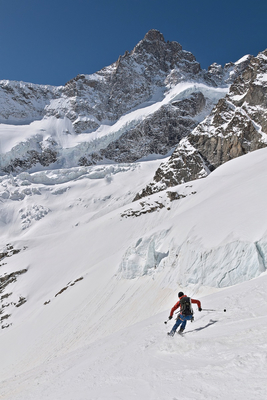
x=167 y=55
x=154 y=34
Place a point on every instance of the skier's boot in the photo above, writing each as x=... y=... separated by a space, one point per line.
x=171 y=333
x=180 y=331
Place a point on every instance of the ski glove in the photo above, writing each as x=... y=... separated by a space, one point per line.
x=170 y=317
x=200 y=309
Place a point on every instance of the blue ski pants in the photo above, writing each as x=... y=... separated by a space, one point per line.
x=181 y=320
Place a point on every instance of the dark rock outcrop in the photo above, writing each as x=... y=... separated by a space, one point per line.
x=158 y=133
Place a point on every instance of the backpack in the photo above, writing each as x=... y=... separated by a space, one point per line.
x=185 y=306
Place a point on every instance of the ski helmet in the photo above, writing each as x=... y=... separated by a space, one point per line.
x=180 y=294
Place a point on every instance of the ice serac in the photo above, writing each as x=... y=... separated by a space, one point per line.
x=236 y=126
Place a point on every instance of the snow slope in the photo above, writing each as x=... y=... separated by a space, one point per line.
x=102 y=274
x=221 y=356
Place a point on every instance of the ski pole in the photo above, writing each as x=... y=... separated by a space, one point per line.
x=211 y=309
x=165 y=322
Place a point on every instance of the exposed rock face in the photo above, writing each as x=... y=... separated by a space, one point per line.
x=159 y=133
x=44 y=157
x=218 y=75
x=22 y=102
x=6 y=280
x=184 y=165
x=237 y=125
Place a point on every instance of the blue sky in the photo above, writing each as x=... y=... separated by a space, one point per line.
x=51 y=41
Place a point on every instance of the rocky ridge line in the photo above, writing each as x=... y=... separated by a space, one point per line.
x=237 y=125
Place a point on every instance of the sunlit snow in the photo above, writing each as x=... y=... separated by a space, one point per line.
x=100 y=274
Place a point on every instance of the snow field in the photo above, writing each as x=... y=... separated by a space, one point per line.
x=103 y=336
x=221 y=355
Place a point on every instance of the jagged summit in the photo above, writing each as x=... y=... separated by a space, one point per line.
x=154 y=34
x=167 y=56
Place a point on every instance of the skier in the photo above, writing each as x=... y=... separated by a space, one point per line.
x=186 y=312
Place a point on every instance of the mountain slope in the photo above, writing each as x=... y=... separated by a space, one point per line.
x=217 y=354
x=96 y=264
x=236 y=126
x=76 y=249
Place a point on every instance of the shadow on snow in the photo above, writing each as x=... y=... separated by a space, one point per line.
x=211 y=322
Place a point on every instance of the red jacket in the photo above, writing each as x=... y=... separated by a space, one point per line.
x=177 y=305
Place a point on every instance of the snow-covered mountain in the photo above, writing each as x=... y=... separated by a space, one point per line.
x=88 y=277
x=142 y=104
